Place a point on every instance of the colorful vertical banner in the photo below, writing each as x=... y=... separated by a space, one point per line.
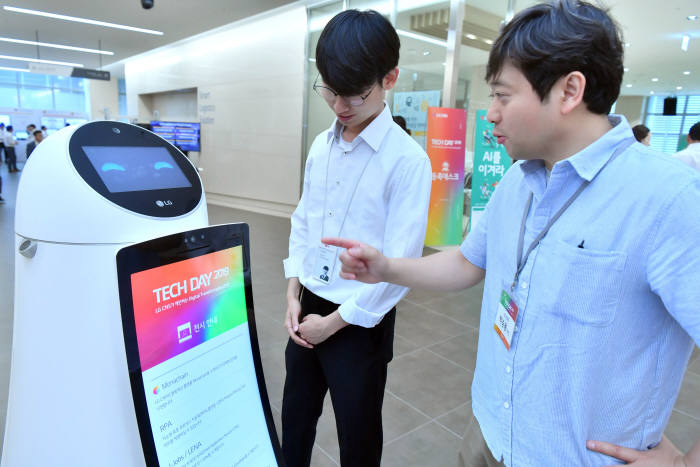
x=490 y=163
x=413 y=106
x=445 y=147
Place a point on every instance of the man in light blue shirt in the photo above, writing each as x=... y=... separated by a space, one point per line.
x=590 y=306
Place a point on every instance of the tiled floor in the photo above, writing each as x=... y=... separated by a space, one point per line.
x=426 y=404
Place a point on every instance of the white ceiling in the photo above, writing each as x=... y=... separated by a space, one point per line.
x=653 y=28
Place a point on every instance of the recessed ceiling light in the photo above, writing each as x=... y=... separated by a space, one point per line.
x=36 y=60
x=655 y=79
x=444 y=63
x=9 y=68
x=629 y=85
x=686 y=72
x=685 y=42
x=679 y=87
x=56 y=46
x=81 y=20
x=488 y=41
x=627 y=44
x=470 y=36
x=426 y=53
x=692 y=17
x=651 y=92
x=626 y=69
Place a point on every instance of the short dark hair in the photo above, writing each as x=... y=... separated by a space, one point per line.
x=356 y=50
x=640 y=132
x=550 y=40
x=9 y=128
x=694 y=132
x=37 y=132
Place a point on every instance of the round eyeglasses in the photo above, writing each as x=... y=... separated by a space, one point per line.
x=330 y=95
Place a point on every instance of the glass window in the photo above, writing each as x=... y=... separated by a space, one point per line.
x=8 y=96
x=34 y=79
x=9 y=77
x=36 y=98
x=69 y=100
x=668 y=131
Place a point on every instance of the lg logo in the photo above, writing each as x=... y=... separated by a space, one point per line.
x=162 y=204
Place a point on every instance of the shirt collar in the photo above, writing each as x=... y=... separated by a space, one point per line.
x=591 y=159
x=373 y=134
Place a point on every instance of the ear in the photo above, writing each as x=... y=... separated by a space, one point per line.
x=390 y=79
x=571 y=89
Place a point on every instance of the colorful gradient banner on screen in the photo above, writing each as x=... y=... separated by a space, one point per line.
x=447 y=129
x=181 y=305
x=490 y=163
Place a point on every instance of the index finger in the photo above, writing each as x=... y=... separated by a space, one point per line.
x=340 y=242
x=613 y=450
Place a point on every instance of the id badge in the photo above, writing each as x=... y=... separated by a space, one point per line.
x=506 y=316
x=325 y=263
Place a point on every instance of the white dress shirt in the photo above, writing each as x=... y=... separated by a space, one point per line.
x=690 y=155
x=390 y=176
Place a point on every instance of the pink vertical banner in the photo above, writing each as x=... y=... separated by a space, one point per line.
x=445 y=146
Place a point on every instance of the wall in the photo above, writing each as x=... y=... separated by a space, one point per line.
x=104 y=99
x=249 y=78
x=631 y=107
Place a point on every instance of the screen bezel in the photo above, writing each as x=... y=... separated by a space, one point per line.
x=166 y=202
x=168 y=250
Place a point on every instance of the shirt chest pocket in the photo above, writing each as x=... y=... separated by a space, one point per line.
x=578 y=284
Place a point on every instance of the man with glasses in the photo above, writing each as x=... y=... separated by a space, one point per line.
x=364 y=177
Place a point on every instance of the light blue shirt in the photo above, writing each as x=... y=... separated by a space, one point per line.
x=604 y=332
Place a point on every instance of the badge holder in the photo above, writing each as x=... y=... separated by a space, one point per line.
x=325 y=264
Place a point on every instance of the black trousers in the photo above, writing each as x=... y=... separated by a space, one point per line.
x=352 y=365
x=11 y=158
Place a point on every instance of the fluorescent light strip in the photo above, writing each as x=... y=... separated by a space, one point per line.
x=685 y=42
x=81 y=20
x=56 y=46
x=9 y=68
x=36 y=60
x=421 y=37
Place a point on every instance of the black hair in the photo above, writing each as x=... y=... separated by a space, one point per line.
x=356 y=50
x=640 y=132
x=9 y=128
x=36 y=132
x=694 y=132
x=400 y=121
x=550 y=40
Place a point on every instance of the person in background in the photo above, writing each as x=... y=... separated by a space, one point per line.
x=691 y=154
x=2 y=141
x=30 y=132
x=38 y=138
x=44 y=131
x=400 y=121
x=642 y=134
x=364 y=177
x=591 y=279
x=10 y=155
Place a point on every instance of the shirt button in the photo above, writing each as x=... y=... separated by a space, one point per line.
x=523 y=285
x=337 y=182
x=507 y=369
x=506 y=405
x=330 y=214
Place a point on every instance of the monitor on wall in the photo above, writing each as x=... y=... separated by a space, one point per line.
x=184 y=135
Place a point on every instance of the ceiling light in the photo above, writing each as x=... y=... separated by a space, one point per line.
x=56 y=46
x=312 y=59
x=685 y=42
x=426 y=53
x=9 y=68
x=488 y=41
x=36 y=60
x=470 y=36
x=81 y=20
x=679 y=87
x=651 y=92
x=629 y=85
x=627 y=44
x=686 y=72
x=626 y=69
x=421 y=37
x=655 y=79
x=692 y=17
